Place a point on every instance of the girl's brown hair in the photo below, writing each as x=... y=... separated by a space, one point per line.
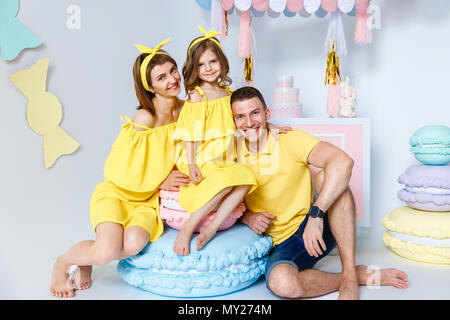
x=190 y=75
x=145 y=97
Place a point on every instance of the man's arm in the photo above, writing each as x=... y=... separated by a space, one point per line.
x=337 y=168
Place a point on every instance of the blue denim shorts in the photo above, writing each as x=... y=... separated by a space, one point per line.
x=292 y=251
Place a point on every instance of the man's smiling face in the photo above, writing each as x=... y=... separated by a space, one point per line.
x=250 y=118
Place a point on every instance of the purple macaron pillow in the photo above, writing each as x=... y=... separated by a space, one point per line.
x=426 y=187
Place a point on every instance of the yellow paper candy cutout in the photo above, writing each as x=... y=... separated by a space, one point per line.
x=44 y=112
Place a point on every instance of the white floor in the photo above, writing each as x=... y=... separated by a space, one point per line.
x=26 y=280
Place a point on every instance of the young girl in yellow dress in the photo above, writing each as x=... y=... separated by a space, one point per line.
x=205 y=131
x=125 y=206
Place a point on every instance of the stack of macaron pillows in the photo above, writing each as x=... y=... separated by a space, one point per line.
x=234 y=259
x=420 y=231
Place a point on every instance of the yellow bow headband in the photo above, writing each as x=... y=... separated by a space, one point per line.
x=207 y=35
x=151 y=53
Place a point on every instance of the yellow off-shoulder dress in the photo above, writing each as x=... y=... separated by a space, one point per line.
x=138 y=163
x=211 y=125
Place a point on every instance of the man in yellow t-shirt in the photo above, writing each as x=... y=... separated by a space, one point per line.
x=282 y=206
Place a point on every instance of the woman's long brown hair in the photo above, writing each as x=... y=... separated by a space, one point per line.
x=145 y=97
x=190 y=75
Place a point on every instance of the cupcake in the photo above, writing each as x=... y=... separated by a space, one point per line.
x=431 y=145
x=426 y=187
x=418 y=235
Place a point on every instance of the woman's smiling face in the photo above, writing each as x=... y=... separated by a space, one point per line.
x=165 y=80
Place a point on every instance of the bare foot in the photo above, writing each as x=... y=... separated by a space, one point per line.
x=382 y=277
x=205 y=235
x=182 y=243
x=82 y=277
x=349 y=289
x=61 y=286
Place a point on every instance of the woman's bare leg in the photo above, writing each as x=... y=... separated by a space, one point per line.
x=106 y=248
x=135 y=238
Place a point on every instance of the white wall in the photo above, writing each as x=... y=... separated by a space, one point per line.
x=402 y=82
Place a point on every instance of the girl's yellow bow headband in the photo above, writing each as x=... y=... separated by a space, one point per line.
x=151 y=53
x=207 y=35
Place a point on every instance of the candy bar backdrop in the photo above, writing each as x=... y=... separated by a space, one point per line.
x=401 y=79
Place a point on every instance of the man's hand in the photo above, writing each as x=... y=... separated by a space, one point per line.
x=259 y=222
x=312 y=237
x=174 y=181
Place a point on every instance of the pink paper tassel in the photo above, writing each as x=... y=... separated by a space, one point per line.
x=333 y=100
x=330 y=5
x=244 y=35
x=363 y=34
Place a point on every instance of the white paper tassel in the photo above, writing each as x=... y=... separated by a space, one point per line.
x=336 y=34
x=218 y=19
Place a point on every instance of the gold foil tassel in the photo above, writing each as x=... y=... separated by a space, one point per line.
x=248 y=70
x=333 y=71
x=226 y=23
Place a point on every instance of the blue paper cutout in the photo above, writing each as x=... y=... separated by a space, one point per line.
x=256 y=13
x=14 y=36
x=205 y=4
x=352 y=12
x=288 y=13
x=320 y=13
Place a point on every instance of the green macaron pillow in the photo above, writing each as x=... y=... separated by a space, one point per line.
x=431 y=145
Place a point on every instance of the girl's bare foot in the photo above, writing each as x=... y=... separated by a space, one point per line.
x=182 y=243
x=382 y=277
x=206 y=233
x=61 y=286
x=82 y=277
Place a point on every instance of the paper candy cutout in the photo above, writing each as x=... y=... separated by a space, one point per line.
x=14 y=36
x=44 y=112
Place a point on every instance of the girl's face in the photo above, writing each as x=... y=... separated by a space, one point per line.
x=165 y=80
x=209 y=67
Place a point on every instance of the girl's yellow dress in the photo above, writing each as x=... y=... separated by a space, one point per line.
x=210 y=124
x=137 y=164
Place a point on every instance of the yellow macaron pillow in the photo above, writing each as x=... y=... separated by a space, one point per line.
x=418 y=235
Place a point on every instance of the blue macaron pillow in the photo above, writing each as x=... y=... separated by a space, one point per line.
x=431 y=145
x=234 y=259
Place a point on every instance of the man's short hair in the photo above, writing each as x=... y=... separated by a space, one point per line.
x=246 y=93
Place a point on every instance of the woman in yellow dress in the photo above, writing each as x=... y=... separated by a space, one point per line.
x=124 y=209
x=205 y=131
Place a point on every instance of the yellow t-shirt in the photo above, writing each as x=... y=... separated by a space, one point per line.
x=285 y=187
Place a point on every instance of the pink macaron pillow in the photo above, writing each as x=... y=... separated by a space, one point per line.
x=426 y=187
x=174 y=215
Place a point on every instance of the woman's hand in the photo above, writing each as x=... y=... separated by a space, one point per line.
x=174 y=181
x=195 y=174
x=277 y=130
x=312 y=237
x=258 y=222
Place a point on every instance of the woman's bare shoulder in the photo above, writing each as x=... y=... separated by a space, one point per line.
x=144 y=118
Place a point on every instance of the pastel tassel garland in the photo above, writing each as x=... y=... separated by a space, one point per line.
x=219 y=19
x=245 y=45
x=336 y=34
x=363 y=33
x=333 y=78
